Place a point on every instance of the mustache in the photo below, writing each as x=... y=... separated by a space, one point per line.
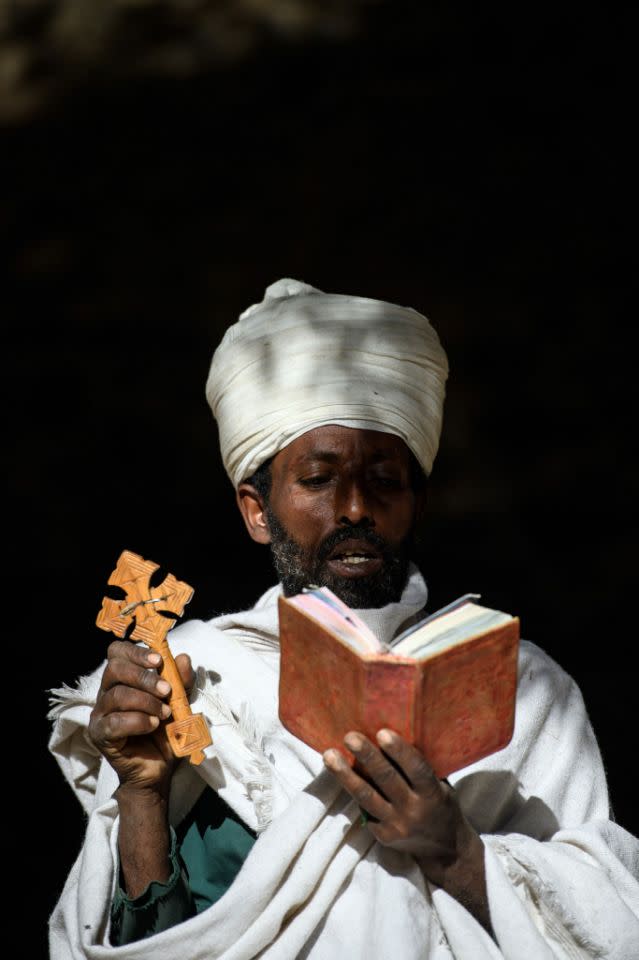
x=358 y=531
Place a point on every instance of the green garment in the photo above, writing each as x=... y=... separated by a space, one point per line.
x=207 y=850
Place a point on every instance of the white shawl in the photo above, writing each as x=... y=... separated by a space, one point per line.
x=561 y=877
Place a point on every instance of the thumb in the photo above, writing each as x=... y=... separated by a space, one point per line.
x=187 y=673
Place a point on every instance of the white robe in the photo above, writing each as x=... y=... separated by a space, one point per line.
x=562 y=879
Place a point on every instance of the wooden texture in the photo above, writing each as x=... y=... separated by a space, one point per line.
x=143 y=605
x=456 y=706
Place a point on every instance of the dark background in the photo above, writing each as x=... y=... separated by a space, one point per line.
x=158 y=175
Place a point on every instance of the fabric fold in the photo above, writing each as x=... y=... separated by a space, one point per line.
x=561 y=877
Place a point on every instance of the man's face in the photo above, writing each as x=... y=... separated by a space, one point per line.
x=341 y=514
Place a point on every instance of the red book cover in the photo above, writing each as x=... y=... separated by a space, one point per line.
x=456 y=705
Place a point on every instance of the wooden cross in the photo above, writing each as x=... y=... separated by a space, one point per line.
x=187 y=732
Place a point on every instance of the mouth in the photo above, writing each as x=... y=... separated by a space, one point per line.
x=354 y=558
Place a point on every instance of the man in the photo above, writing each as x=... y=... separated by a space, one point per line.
x=329 y=411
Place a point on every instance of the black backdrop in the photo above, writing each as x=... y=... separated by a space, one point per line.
x=462 y=162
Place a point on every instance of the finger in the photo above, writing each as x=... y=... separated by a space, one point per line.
x=409 y=759
x=136 y=653
x=187 y=673
x=131 y=674
x=113 y=729
x=376 y=766
x=364 y=793
x=121 y=699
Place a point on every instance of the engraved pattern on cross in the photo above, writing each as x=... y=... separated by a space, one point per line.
x=143 y=605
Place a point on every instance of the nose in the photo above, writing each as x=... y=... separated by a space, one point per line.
x=353 y=504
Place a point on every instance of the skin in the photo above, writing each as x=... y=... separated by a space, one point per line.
x=124 y=726
x=333 y=479
x=328 y=479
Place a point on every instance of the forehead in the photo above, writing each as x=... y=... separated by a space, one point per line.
x=337 y=444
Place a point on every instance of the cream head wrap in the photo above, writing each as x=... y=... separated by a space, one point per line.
x=302 y=359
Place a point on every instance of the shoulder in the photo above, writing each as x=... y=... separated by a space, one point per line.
x=203 y=641
x=537 y=669
x=226 y=654
x=547 y=694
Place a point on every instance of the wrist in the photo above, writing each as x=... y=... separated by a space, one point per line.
x=463 y=876
x=461 y=868
x=135 y=797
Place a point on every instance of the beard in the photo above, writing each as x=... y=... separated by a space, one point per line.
x=297 y=567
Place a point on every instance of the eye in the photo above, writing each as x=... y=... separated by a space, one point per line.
x=318 y=480
x=387 y=480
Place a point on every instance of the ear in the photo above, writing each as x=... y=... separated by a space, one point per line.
x=253 y=510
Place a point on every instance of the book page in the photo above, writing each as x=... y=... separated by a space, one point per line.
x=448 y=629
x=370 y=640
x=453 y=605
x=327 y=609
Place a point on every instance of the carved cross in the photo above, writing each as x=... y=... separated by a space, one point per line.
x=142 y=605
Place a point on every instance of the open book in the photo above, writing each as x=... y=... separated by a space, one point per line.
x=447 y=683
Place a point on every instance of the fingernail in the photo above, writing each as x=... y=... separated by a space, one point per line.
x=155 y=721
x=166 y=710
x=331 y=759
x=154 y=659
x=353 y=742
x=384 y=737
x=163 y=687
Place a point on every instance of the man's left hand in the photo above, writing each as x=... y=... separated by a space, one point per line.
x=411 y=810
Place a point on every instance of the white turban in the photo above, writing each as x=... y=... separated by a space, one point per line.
x=302 y=359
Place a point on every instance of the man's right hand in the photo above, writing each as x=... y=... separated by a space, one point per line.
x=130 y=706
x=124 y=726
